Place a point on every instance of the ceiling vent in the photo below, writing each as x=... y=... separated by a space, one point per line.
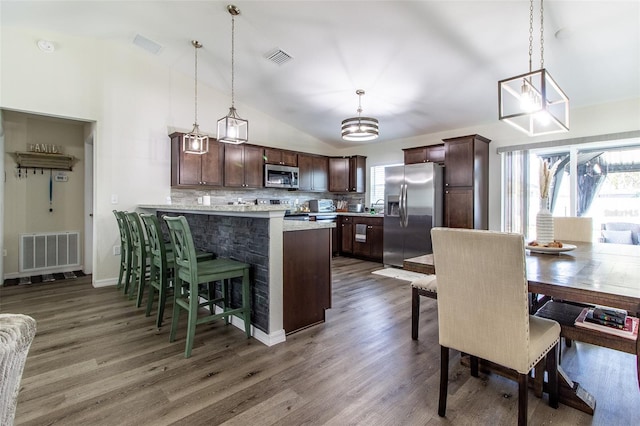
x=278 y=56
x=148 y=45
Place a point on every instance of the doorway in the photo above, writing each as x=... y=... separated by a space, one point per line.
x=46 y=200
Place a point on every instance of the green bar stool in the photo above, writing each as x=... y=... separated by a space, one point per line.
x=194 y=273
x=139 y=258
x=162 y=265
x=125 y=250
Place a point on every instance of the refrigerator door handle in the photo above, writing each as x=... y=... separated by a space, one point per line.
x=405 y=219
x=406 y=204
x=401 y=205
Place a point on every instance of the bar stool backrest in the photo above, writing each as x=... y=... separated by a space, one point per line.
x=125 y=236
x=183 y=248
x=138 y=240
x=157 y=247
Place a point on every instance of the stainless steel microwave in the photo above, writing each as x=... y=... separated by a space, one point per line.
x=276 y=176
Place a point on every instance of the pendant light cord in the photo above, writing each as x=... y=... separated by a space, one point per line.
x=196 y=85
x=541 y=34
x=233 y=44
x=531 y=35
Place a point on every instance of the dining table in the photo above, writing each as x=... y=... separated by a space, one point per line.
x=581 y=273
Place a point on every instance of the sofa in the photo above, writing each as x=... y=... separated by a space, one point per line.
x=621 y=233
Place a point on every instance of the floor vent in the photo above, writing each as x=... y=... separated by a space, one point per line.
x=54 y=251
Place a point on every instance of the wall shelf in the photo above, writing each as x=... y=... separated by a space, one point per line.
x=39 y=160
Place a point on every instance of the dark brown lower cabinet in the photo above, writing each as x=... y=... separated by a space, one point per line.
x=345 y=234
x=459 y=207
x=369 y=248
x=306 y=278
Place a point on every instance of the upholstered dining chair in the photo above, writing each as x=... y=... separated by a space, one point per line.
x=573 y=228
x=125 y=250
x=162 y=265
x=188 y=270
x=483 y=309
x=16 y=335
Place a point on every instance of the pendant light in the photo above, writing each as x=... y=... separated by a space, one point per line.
x=359 y=128
x=533 y=102
x=195 y=142
x=232 y=128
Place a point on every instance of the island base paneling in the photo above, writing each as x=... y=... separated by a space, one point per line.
x=240 y=238
x=306 y=278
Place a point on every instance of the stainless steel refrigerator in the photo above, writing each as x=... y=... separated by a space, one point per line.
x=413 y=205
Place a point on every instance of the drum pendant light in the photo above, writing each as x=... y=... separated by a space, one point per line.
x=533 y=102
x=359 y=128
x=232 y=128
x=195 y=142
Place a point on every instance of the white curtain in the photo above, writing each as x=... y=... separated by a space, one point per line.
x=515 y=186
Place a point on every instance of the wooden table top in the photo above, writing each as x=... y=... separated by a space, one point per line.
x=598 y=273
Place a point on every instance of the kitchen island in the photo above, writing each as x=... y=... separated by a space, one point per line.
x=255 y=234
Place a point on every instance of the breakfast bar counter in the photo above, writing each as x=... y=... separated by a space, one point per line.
x=253 y=234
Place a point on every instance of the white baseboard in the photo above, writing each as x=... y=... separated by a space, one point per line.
x=268 y=339
x=105 y=283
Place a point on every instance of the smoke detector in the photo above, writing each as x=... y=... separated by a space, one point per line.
x=46 y=46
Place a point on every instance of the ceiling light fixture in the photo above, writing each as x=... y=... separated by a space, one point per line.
x=232 y=128
x=359 y=128
x=533 y=102
x=195 y=142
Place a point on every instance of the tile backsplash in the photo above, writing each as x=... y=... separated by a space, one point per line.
x=227 y=196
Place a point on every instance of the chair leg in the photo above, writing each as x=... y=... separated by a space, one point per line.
x=150 y=297
x=153 y=278
x=474 y=361
x=162 y=299
x=211 y=295
x=177 y=289
x=246 y=302
x=130 y=277
x=538 y=382
x=444 y=380
x=523 y=383
x=122 y=268
x=415 y=312
x=552 y=373
x=225 y=288
x=192 y=319
x=142 y=283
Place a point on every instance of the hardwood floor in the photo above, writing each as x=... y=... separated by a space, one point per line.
x=97 y=360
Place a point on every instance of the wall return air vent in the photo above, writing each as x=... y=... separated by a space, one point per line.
x=39 y=160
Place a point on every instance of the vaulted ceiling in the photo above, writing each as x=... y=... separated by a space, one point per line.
x=426 y=66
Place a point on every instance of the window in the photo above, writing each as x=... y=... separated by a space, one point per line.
x=376 y=189
x=598 y=180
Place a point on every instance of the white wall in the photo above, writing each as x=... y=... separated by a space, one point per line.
x=135 y=103
x=615 y=117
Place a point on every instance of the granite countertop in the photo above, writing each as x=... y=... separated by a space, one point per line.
x=363 y=214
x=303 y=225
x=237 y=208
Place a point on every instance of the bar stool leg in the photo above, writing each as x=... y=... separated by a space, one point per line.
x=246 y=302
x=192 y=319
